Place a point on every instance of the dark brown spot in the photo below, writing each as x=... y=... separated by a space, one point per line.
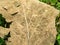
x=5 y=8
x=14 y=13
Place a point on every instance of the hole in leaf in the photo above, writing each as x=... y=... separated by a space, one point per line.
x=5 y=38
x=3 y=22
